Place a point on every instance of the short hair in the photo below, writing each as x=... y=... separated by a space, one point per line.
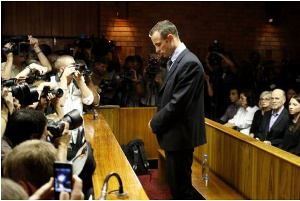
x=250 y=95
x=11 y=190
x=269 y=95
x=164 y=27
x=61 y=61
x=23 y=123
x=30 y=161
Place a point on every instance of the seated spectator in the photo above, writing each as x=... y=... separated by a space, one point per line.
x=265 y=105
x=11 y=190
x=291 y=139
x=242 y=121
x=233 y=107
x=274 y=122
x=290 y=92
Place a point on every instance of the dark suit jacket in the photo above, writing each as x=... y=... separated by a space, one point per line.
x=275 y=136
x=179 y=121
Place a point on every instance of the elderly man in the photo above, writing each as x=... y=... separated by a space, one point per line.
x=275 y=121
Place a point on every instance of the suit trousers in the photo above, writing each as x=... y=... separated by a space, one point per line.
x=179 y=172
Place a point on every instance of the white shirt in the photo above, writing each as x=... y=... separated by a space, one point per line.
x=243 y=119
x=73 y=101
x=177 y=52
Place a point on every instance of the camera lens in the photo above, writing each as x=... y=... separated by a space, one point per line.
x=57 y=92
x=73 y=118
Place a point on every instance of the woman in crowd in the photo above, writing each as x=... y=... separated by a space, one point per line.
x=265 y=105
x=291 y=140
x=242 y=121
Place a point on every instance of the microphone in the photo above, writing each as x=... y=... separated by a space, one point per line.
x=105 y=185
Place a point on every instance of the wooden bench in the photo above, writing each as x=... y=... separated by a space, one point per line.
x=216 y=189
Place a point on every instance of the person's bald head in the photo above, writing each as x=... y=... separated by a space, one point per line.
x=278 y=99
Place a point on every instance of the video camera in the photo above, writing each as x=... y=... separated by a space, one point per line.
x=214 y=59
x=154 y=66
x=24 y=93
x=21 y=45
x=73 y=118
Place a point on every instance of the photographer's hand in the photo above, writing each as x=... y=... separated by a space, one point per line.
x=45 y=192
x=62 y=143
x=76 y=193
x=6 y=71
x=43 y=59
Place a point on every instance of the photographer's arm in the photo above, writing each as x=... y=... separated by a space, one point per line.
x=43 y=59
x=6 y=70
x=62 y=143
x=93 y=89
x=229 y=62
x=85 y=91
x=31 y=69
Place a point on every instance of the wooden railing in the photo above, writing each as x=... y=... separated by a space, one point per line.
x=254 y=169
x=110 y=158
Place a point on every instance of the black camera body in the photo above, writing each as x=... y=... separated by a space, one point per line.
x=20 y=45
x=9 y=82
x=129 y=74
x=73 y=118
x=37 y=77
x=214 y=59
x=83 y=69
x=57 y=92
x=106 y=85
x=24 y=93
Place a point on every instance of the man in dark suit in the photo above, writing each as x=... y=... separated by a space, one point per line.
x=275 y=121
x=179 y=122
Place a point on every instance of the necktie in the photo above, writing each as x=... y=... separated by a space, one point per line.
x=169 y=64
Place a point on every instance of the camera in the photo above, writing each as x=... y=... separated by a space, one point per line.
x=20 y=45
x=214 y=59
x=37 y=77
x=83 y=69
x=24 y=93
x=154 y=66
x=106 y=85
x=57 y=92
x=8 y=83
x=73 y=118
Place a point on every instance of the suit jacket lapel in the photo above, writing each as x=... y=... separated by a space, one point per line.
x=174 y=66
x=278 y=120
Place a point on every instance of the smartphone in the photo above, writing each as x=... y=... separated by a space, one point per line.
x=62 y=177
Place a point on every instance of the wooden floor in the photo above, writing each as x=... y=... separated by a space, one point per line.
x=110 y=158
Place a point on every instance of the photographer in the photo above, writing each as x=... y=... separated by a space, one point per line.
x=28 y=124
x=154 y=75
x=131 y=87
x=76 y=92
x=15 y=62
x=16 y=50
x=224 y=76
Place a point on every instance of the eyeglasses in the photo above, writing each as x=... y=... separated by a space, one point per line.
x=264 y=99
x=243 y=98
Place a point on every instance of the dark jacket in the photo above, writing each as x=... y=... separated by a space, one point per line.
x=276 y=133
x=179 y=122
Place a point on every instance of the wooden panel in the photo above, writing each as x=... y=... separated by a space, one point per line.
x=111 y=115
x=110 y=158
x=134 y=124
x=66 y=19
x=254 y=169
